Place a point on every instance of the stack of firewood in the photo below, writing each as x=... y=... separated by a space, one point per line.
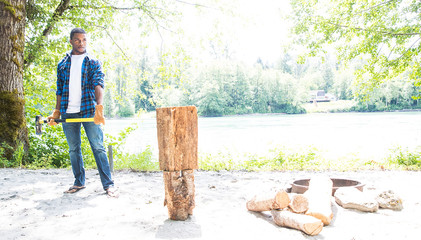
x=307 y=212
x=310 y=211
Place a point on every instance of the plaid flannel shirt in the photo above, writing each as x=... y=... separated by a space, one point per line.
x=92 y=76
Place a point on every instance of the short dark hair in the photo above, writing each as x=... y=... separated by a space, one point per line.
x=76 y=30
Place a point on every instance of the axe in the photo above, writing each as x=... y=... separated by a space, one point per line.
x=39 y=121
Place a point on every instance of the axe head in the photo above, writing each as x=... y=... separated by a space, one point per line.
x=38 y=125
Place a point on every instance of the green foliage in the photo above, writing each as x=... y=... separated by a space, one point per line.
x=307 y=158
x=49 y=149
x=278 y=159
x=19 y=155
x=395 y=94
x=126 y=109
x=4 y=161
x=217 y=162
x=226 y=88
x=406 y=158
x=117 y=142
x=139 y=162
x=142 y=161
x=386 y=35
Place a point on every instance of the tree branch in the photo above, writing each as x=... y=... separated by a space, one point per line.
x=381 y=32
x=109 y=35
x=375 y=6
x=40 y=41
x=62 y=7
x=195 y=4
x=403 y=54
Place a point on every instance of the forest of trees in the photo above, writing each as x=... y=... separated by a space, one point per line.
x=224 y=87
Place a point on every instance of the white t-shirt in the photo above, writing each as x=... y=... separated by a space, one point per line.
x=75 y=84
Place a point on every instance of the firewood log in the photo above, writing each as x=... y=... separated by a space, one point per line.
x=177 y=132
x=319 y=196
x=308 y=224
x=179 y=193
x=267 y=202
x=298 y=203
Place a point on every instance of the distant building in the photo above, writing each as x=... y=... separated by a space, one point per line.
x=321 y=96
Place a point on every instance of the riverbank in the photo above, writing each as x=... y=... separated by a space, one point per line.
x=34 y=207
x=339 y=106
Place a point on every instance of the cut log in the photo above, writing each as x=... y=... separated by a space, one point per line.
x=389 y=200
x=269 y=201
x=298 y=203
x=179 y=193
x=319 y=196
x=352 y=198
x=177 y=129
x=308 y=224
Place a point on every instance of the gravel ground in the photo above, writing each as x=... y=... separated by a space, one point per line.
x=33 y=206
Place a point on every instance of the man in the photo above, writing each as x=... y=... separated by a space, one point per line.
x=80 y=86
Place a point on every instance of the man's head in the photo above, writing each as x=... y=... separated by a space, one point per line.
x=78 y=41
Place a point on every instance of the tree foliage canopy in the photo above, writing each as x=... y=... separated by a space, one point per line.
x=385 y=34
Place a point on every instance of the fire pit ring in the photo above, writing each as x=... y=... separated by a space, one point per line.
x=300 y=186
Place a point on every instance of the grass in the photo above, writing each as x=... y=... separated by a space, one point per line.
x=308 y=159
x=282 y=159
x=138 y=162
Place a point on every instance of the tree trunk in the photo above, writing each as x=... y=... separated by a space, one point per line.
x=12 y=40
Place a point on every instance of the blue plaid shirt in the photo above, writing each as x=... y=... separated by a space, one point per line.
x=92 y=76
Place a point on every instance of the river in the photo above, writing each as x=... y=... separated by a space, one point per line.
x=369 y=135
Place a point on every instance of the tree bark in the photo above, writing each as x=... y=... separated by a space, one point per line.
x=12 y=41
x=308 y=224
x=179 y=193
x=267 y=202
x=177 y=138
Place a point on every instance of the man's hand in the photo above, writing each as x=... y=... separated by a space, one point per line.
x=99 y=114
x=54 y=115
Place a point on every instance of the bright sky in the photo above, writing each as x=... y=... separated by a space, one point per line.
x=250 y=29
x=266 y=33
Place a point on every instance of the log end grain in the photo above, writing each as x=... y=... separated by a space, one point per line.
x=298 y=203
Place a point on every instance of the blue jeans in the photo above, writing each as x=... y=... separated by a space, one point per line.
x=96 y=140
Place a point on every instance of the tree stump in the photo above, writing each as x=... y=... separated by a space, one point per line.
x=177 y=129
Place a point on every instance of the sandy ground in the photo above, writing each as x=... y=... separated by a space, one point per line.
x=33 y=206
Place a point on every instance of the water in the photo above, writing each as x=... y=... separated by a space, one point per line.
x=335 y=134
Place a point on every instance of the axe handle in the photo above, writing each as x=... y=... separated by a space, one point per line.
x=68 y=120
